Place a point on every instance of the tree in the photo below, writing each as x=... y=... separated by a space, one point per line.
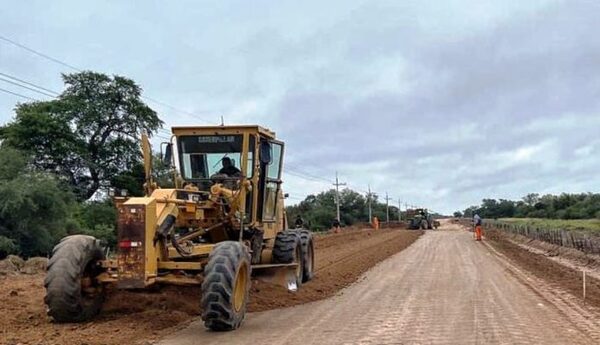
x=131 y=180
x=98 y=219
x=7 y=247
x=318 y=211
x=563 y=206
x=531 y=199
x=37 y=210
x=470 y=212
x=88 y=134
x=457 y=214
x=34 y=207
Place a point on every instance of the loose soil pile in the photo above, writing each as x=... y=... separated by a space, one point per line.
x=14 y=264
x=556 y=274
x=140 y=317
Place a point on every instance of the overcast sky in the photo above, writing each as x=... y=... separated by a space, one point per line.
x=439 y=104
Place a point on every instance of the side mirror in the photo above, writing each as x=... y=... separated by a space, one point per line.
x=169 y=154
x=286 y=195
x=265 y=152
x=166 y=159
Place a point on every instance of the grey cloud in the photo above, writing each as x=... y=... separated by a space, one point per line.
x=404 y=95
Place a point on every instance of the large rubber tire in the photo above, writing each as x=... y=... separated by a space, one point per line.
x=74 y=262
x=423 y=224
x=308 y=255
x=288 y=249
x=226 y=286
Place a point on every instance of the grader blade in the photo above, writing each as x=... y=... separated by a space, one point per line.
x=278 y=274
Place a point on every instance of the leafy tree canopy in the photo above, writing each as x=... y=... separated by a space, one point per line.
x=319 y=211
x=563 y=206
x=87 y=135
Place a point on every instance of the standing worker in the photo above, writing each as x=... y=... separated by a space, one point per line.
x=299 y=222
x=375 y=223
x=477 y=222
x=336 y=225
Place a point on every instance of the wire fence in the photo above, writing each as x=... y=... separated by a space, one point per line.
x=579 y=240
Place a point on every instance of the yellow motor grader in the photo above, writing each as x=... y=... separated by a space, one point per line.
x=218 y=226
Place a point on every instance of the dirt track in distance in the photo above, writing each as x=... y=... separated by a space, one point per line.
x=140 y=317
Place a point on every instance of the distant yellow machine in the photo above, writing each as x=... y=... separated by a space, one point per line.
x=220 y=224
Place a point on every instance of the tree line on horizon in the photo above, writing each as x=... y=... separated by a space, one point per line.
x=319 y=210
x=533 y=205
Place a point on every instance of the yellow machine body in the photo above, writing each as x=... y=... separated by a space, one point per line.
x=167 y=235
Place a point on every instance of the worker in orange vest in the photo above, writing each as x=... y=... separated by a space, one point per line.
x=375 y=223
x=478 y=230
x=336 y=225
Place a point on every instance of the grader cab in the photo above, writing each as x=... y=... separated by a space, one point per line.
x=223 y=221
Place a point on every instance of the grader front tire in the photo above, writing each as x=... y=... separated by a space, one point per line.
x=288 y=249
x=72 y=294
x=226 y=286
x=308 y=255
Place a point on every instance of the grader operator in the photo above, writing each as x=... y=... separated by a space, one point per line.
x=219 y=225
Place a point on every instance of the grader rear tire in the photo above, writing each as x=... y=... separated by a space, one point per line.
x=288 y=249
x=226 y=286
x=72 y=294
x=308 y=255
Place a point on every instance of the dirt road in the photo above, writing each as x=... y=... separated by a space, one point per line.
x=141 y=317
x=444 y=289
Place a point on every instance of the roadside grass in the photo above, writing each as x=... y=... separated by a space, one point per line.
x=590 y=225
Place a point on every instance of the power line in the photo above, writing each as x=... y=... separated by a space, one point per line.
x=297 y=195
x=359 y=189
x=28 y=83
x=60 y=62
x=19 y=95
x=305 y=177
x=176 y=109
x=301 y=172
x=26 y=87
x=39 y=53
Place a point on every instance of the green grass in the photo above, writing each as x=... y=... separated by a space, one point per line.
x=592 y=225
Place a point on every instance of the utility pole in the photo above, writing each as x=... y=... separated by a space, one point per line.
x=387 y=207
x=337 y=184
x=399 y=210
x=370 y=207
x=370 y=196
